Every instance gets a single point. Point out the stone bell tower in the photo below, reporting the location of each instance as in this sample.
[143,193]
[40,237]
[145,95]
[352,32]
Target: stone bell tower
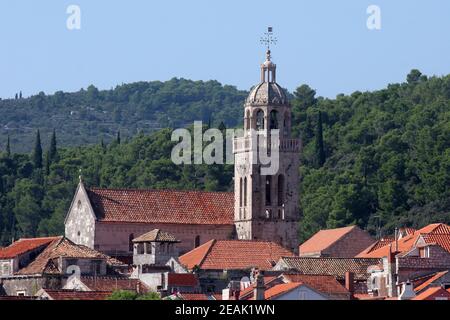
[266,205]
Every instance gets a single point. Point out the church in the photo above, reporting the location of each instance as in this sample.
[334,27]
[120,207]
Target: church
[262,207]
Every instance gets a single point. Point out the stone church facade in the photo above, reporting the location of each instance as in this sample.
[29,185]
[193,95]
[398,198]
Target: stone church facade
[263,207]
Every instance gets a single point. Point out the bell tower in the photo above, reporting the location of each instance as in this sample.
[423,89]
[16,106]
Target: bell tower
[266,204]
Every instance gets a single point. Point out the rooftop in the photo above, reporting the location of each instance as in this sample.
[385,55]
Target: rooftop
[77,295]
[323,239]
[234,254]
[162,206]
[24,245]
[156,235]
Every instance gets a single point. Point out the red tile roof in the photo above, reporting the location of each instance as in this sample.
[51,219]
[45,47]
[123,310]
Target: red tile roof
[323,239]
[336,267]
[378,244]
[77,295]
[113,283]
[156,235]
[182,280]
[280,289]
[269,281]
[425,284]
[234,254]
[24,245]
[162,206]
[406,243]
[433,293]
[443,240]
[193,296]
[62,247]
[322,283]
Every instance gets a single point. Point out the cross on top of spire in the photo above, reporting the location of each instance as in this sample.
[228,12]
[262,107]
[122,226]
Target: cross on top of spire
[268,38]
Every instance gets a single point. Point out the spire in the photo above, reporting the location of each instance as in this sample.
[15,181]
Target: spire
[268,68]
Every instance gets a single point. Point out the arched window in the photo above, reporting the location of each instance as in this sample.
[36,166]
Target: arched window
[260,120]
[280,187]
[247,125]
[245,191]
[286,124]
[268,190]
[130,242]
[240,193]
[273,119]
[197,241]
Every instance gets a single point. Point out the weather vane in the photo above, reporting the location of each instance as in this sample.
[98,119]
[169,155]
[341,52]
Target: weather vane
[268,38]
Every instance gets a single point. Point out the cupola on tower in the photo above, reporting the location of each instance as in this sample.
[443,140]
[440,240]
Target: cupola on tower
[266,205]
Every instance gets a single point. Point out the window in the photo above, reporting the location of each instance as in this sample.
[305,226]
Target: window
[197,241]
[273,119]
[280,190]
[79,205]
[260,120]
[245,191]
[21,293]
[247,125]
[240,192]
[130,242]
[268,190]
[286,124]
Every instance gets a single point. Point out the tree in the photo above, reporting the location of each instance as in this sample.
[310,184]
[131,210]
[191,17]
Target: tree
[37,154]
[20,95]
[118,137]
[52,150]
[413,76]
[8,147]
[320,152]
[130,295]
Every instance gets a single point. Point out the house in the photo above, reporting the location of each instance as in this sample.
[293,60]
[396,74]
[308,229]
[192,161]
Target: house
[438,279]
[344,242]
[50,294]
[183,283]
[104,283]
[217,262]
[326,286]
[412,256]
[433,293]
[337,267]
[48,264]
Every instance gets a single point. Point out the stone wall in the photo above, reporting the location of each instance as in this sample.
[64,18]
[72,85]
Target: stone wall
[114,238]
[349,245]
[29,286]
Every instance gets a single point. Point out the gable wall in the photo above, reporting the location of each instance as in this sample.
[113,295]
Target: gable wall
[349,245]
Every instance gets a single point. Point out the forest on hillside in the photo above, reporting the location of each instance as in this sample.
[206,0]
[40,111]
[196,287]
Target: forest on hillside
[90,115]
[376,159]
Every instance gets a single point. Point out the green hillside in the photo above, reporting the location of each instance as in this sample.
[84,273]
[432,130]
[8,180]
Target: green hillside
[378,159]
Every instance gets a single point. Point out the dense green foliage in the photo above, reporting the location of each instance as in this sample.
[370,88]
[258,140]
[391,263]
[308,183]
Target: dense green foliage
[130,295]
[377,159]
[87,116]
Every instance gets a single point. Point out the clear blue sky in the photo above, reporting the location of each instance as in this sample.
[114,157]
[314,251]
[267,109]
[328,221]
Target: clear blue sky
[325,44]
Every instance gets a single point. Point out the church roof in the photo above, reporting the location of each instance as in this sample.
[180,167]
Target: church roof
[162,206]
[156,235]
[267,93]
[234,255]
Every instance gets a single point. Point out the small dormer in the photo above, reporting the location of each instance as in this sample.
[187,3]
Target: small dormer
[154,248]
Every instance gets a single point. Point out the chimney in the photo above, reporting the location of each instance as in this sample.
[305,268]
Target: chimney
[407,292]
[259,288]
[396,239]
[350,283]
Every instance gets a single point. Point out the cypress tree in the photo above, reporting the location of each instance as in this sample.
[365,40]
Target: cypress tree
[8,147]
[37,155]
[320,152]
[118,137]
[52,151]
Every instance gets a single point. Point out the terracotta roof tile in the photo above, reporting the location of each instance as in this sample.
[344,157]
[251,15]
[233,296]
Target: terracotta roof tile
[162,206]
[182,280]
[77,295]
[280,289]
[323,239]
[112,283]
[24,245]
[156,235]
[234,254]
[331,266]
[425,284]
[443,240]
[406,243]
[433,293]
[322,283]
[194,296]
[62,247]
